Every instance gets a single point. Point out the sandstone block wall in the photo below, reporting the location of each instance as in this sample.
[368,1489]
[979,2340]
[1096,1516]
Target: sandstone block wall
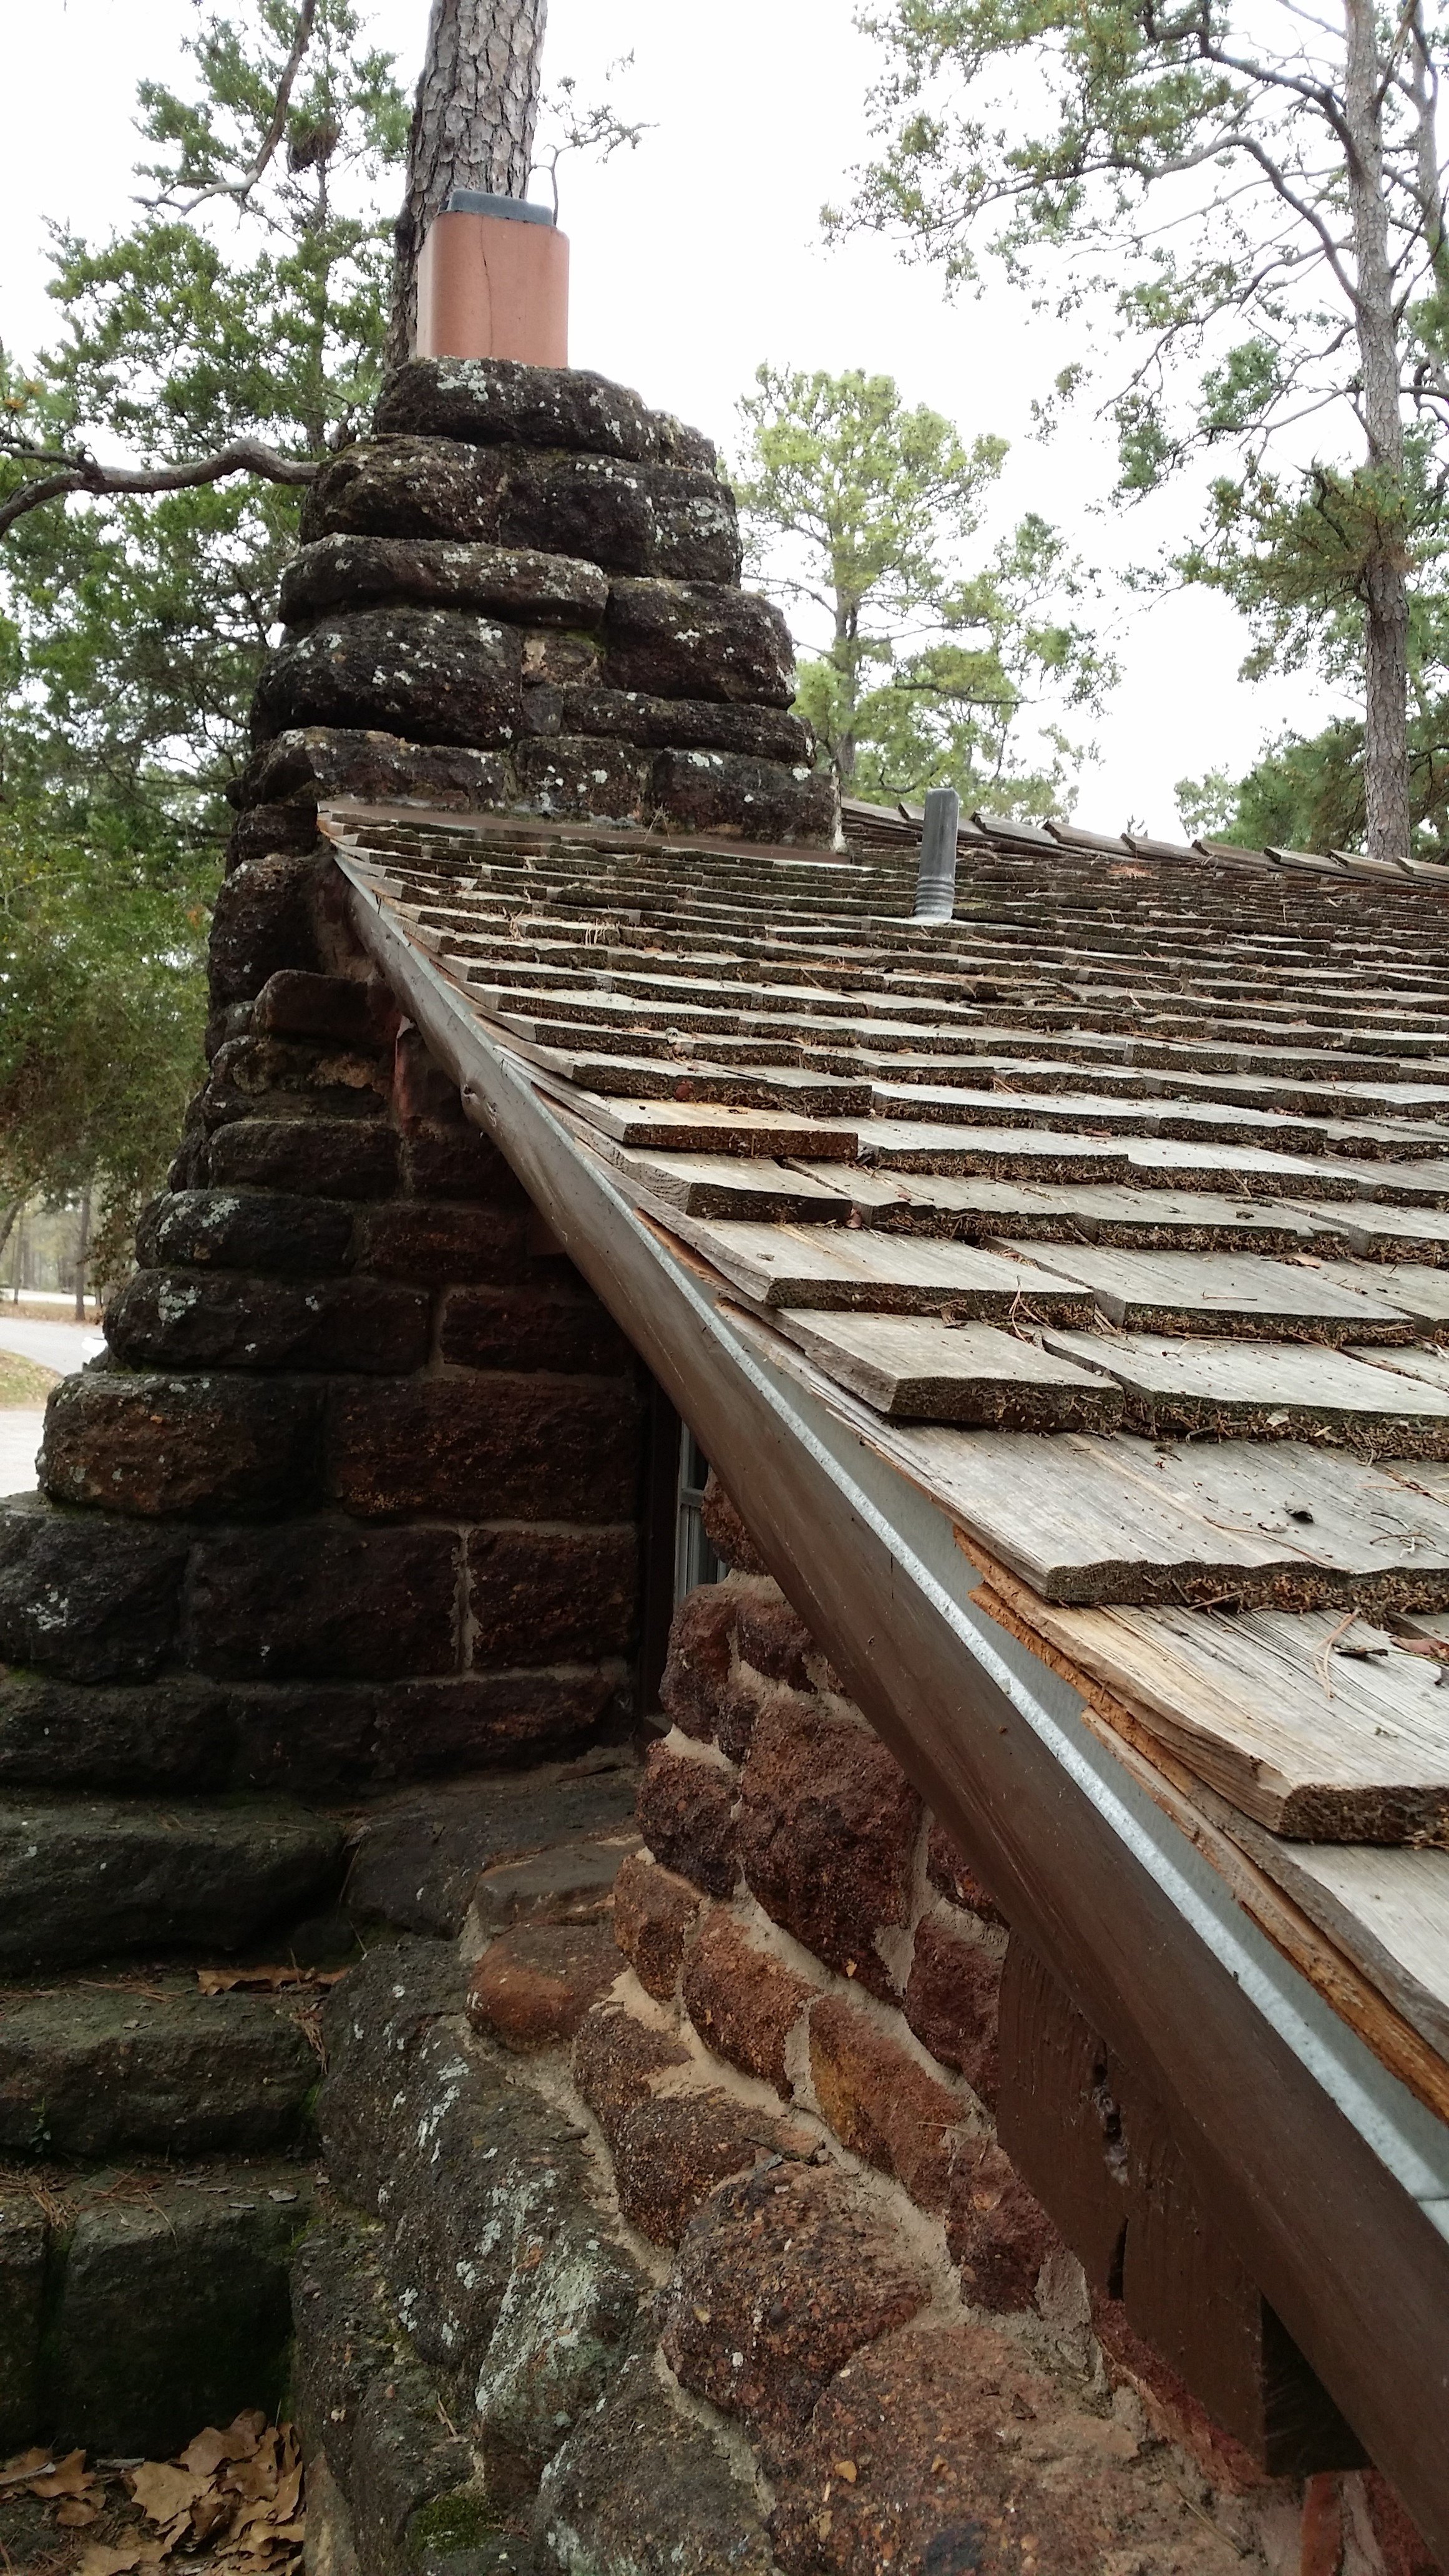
[524,592]
[352,1498]
[816,1930]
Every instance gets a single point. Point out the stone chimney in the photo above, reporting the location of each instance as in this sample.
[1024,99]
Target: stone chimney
[524,592]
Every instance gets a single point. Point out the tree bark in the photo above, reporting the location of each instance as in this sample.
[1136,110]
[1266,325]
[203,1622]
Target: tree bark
[473,127]
[1386,597]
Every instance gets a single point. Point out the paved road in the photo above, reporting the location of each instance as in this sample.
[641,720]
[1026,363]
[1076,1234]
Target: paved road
[20,1428]
[57,1346]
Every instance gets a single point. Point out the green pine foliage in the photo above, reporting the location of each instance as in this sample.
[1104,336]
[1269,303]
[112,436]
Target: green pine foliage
[248,299]
[950,661]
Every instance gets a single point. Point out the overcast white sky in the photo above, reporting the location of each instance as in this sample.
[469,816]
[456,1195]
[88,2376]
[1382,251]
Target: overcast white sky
[693,259]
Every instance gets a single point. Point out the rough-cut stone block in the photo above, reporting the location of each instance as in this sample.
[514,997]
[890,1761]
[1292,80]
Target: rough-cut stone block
[672,2152]
[616,2058]
[405,487]
[563,1330]
[435,674]
[458,1163]
[653,1912]
[160,1736]
[501,1721]
[322,1600]
[664,724]
[342,1008]
[94,1604]
[948,2453]
[172,1448]
[483,1448]
[575,776]
[174,2310]
[330,1739]
[953,2001]
[245,1230]
[880,2103]
[686,1815]
[22,2300]
[952,1875]
[272,832]
[638,2487]
[772,1640]
[82,1878]
[727,1533]
[628,517]
[552,1596]
[500,581]
[325,1158]
[103,2072]
[827,1834]
[417,1859]
[532,1988]
[569,1883]
[737,2329]
[664,520]
[743,2003]
[738,1706]
[293,1075]
[753,800]
[438,1244]
[173,1319]
[698,1665]
[694,639]
[309,763]
[998,2234]
[263,922]
[498,402]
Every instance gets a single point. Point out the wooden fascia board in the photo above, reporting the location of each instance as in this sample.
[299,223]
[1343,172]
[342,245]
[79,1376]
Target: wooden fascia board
[1331,2181]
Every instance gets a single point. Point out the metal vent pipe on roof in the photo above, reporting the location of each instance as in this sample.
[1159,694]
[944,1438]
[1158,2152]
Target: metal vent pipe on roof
[936,867]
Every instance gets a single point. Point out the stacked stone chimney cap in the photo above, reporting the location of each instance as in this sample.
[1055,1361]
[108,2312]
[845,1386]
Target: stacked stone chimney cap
[530,576]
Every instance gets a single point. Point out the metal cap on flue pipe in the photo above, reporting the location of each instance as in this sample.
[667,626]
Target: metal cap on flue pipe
[936,867]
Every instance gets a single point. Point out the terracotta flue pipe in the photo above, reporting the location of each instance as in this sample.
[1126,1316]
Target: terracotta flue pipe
[493,282]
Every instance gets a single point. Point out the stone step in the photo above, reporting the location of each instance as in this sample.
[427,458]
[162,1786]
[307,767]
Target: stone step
[92,1878]
[416,1858]
[138,2303]
[149,2064]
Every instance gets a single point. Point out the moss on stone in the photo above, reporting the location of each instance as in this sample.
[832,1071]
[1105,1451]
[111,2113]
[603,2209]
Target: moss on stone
[458,2521]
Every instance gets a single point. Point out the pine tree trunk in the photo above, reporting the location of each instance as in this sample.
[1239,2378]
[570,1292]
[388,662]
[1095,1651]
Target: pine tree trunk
[1386,625]
[473,127]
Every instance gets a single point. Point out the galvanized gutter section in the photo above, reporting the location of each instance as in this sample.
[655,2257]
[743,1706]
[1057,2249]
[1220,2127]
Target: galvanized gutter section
[1330,2179]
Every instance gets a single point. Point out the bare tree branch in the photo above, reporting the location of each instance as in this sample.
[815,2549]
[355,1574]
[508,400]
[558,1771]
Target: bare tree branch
[241,189]
[84,474]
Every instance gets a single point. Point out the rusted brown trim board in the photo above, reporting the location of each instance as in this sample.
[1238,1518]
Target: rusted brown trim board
[1333,2182]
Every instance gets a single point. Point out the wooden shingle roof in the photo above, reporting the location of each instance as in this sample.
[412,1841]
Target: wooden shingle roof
[1113,1216]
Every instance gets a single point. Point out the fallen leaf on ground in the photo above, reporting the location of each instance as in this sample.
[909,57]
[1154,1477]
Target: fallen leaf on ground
[205,2452]
[77,2512]
[164,2492]
[19,2471]
[69,2477]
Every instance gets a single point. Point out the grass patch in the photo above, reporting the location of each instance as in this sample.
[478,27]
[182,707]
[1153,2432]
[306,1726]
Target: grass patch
[24,1381]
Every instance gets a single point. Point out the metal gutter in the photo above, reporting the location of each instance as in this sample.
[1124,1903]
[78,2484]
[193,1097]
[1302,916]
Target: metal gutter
[1330,2179]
